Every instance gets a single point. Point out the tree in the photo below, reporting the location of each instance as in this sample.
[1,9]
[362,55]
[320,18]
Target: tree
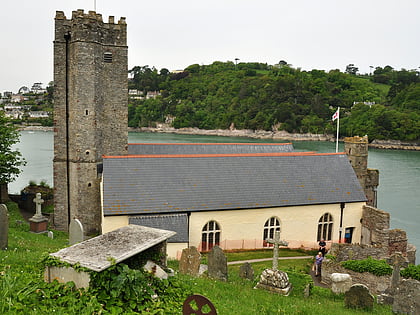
[351,69]
[10,159]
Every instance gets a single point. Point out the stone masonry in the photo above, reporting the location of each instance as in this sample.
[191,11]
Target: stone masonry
[90,111]
[356,149]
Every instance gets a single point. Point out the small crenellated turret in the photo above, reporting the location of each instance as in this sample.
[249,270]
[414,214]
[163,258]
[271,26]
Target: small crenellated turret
[356,149]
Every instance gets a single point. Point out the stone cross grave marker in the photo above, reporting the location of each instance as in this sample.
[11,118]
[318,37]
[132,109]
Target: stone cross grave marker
[190,261]
[217,263]
[397,261]
[4,227]
[277,243]
[76,232]
[38,223]
[38,204]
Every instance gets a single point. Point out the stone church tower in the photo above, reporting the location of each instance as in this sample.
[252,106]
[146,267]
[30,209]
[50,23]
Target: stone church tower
[90,112]
[356,149]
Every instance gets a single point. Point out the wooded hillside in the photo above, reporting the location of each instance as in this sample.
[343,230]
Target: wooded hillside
[383,105]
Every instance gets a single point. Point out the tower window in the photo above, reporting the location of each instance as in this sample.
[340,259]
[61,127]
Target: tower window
[108,57]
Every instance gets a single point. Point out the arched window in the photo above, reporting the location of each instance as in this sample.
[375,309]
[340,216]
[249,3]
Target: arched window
[325,225]
[210,235]
[270,226]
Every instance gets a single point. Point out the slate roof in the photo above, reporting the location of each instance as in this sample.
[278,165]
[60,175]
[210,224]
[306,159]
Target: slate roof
[172,222]
[207,148]
[157,184]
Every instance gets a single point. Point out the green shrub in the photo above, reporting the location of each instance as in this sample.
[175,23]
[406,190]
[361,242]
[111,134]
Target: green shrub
[121,289]
[376,267]
[411,271]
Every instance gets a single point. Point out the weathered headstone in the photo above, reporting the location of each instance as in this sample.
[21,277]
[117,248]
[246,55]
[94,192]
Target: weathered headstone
[76,232]
[217,263]
[277,243]
[340,282]
[407,297]
[38,223]
[246,271]
[397,261]
[4,227]
[190,261]
[359,297]
[51,234]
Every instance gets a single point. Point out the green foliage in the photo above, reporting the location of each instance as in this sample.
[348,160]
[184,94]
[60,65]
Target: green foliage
[10,159]
[412,271]
[376,267]
[259,96]
[122,289]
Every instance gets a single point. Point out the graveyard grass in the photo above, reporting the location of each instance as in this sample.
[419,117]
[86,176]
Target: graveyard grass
[22,290]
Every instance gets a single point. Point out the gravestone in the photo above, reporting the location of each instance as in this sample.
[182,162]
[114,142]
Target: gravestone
[340,282]
[359,297]
[76,232]
[190,261]
[217,264]
[397,261]
[277,243]
[246,271]
[275,280]
[407,297]
[38,223]
[4,227]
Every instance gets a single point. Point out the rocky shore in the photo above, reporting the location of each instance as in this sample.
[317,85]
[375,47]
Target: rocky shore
[277,135]
[257,134]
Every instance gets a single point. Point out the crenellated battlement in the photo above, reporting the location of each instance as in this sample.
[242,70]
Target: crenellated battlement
[91,15]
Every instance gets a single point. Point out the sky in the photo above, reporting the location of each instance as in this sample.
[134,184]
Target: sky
[308,34]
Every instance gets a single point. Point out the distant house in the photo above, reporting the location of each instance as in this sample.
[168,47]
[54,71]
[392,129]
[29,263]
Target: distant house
[14,114]
[38,114]
[16,98]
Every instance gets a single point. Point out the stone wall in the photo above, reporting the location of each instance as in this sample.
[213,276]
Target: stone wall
[344,252]
[375,226]
[375,284]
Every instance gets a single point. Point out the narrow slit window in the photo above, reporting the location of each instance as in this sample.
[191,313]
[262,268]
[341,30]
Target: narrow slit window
[108,57]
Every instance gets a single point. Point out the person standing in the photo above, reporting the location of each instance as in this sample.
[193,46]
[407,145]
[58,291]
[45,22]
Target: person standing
[322,247]
[318,264]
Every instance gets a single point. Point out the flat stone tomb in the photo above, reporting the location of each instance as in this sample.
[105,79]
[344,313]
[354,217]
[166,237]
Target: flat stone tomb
[98,253]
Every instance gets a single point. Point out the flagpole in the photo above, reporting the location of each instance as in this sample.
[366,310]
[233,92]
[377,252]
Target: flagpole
[338,128]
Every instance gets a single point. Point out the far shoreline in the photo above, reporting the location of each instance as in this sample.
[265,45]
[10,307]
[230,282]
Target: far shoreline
[257,134]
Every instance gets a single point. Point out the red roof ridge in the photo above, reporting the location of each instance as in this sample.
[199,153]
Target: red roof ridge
[310,153]
[213,143]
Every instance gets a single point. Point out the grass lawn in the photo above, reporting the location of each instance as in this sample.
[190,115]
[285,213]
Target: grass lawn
[22,290]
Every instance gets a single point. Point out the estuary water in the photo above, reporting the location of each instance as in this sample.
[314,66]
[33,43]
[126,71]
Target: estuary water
[399,179]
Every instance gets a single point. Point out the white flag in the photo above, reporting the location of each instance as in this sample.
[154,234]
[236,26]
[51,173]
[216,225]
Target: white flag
[336,115]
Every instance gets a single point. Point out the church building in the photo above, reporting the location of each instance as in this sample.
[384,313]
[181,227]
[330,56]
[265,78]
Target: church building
[232,195]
